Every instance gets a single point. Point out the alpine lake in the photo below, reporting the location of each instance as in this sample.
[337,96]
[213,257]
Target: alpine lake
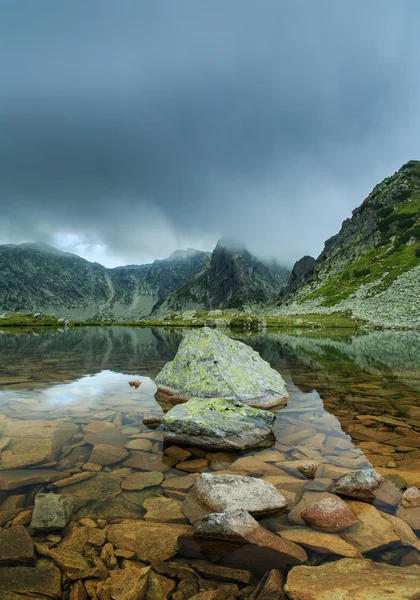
[67,411]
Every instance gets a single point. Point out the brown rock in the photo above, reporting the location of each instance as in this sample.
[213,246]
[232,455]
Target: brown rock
[43,581]
[371,531]
[270,587]
[376,448]
[353,578]
[16,547]
[411,498]
[360,485]
[146,461]
[12,480]
[181,484]
[139,444]
[101,487]
[307,500]
[163,510]
[70,480]
[90,466]
[139,481]
[410,516]
[78,592]
[239,526]
[330,515]
[402,530]
[178,453]
[197,465]
[152,421]
[221,573]
[69,561]
[324,543]
[150,541]
[159,587]
[98,427]
[105,454]
[127,584]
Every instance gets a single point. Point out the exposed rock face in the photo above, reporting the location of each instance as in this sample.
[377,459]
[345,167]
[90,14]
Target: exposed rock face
[353,578]
[218,493]
[302,269]
[75,288]
[209,364]
[234,278]
[371,267]
[51,512]
[216,423]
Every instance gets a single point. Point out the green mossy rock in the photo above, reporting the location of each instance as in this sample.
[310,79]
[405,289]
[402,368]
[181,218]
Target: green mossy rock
[217,423]
[209,364]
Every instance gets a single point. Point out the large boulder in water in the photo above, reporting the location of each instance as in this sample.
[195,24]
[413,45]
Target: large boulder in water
[209,364]
[216,423]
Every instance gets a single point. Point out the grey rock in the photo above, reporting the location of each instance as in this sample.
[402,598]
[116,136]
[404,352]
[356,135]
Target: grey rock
[218,493]
[209,364]
[216,423]
[360,485]
[51,512]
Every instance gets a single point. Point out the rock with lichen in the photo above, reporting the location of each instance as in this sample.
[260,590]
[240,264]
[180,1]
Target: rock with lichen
[209,364]
[217,423]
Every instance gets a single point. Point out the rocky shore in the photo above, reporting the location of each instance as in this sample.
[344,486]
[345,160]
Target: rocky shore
[100,503]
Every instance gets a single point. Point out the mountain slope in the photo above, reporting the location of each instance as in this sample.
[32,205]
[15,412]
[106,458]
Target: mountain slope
[373,264]
[234,279]
[39,278]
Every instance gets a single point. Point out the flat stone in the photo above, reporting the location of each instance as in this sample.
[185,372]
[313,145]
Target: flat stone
[209,364]
[16,547]
[360,485]
[139,481]
[182,484]
[376,448]
[179,453]
[239,526]
[218,493]
[146,461]
[221,573]
[105,454]
[330,515]
[411,498]
[69,561]
[402,530]
[70,480]
[12,480]
[163,510]
[98,427]
[324,543]
[286,483]
[51,512]
[103,486]
[196,465]
[139,444]
[130,430]
[42,581]
[150,541]
[216,423]
[92,467]
[410,516]
[353,578]
[371,530]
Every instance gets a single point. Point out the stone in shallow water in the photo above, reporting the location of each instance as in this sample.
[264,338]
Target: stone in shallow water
[102,486]
[218,493]
[163,510]
[209,364]
[217,423]
[239,526]
[11,480]
[51,512]
[410,516]
[270,587]
[330,515]
[324,543]
[42,582]
[360,485]
[16,547]
[307,500]
[353,578]
[139,481]
[106,454]
[411,498]
[150,541]
[371,530]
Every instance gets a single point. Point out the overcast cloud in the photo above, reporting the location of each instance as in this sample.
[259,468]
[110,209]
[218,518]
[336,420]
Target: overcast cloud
[129,129]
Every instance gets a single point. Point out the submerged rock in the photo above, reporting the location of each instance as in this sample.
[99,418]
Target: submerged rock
[16,547]
[218,493]
[353,578]
[209,364]
[330,515]
[51,512]
[217,423]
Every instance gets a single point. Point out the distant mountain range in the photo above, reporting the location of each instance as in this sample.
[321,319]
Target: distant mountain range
[39,278]
[370,269]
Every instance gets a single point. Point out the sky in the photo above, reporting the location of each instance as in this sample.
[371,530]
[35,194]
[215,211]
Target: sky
[130,129]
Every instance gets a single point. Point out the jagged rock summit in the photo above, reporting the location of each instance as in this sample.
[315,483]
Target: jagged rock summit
[209,364]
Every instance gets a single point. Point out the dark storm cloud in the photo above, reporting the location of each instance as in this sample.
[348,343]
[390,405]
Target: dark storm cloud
[130,128]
